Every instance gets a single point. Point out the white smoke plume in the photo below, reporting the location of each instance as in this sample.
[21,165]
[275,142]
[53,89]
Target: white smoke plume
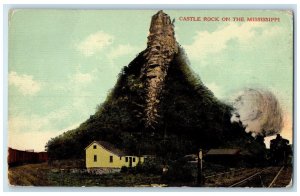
[258,111]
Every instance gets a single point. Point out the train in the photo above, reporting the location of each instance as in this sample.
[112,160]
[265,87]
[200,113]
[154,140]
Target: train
[20,157]
[280,151]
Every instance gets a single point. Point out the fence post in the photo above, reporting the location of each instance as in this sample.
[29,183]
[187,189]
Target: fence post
[200,166]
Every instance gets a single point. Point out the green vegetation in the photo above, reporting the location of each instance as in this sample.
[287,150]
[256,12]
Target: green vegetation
[44,175]
[116,179]
[180,171]
[190,117]
[150,167]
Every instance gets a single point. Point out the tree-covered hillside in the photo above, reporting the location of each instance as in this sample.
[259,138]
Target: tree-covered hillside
[158,106]
[191,117]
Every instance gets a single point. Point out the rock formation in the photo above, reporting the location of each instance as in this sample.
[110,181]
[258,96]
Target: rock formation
[161,48]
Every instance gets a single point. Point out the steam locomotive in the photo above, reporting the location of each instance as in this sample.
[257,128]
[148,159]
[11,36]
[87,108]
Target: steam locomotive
[280,151]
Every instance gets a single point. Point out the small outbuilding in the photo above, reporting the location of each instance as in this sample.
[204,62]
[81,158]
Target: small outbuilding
[229,157]
[102,154]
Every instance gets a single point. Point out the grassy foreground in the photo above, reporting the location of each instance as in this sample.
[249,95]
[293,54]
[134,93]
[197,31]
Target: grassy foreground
[44,175]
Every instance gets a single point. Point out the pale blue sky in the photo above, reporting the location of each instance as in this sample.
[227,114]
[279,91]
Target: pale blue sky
[62,63]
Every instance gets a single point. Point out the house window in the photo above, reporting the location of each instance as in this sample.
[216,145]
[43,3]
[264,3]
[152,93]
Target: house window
[126,159]
[95,158]
[95,146]
[111,159]
[133,159]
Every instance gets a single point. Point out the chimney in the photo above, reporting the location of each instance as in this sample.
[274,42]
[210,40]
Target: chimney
[161,48]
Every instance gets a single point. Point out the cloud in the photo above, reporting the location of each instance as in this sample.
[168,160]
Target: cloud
[31,131]
[94,43]
[82,78]
[23,127]
[207,43]
[32,122]
[267,140]
[287,130]
[121,50]
[24,83]
[24,140]
[259,111]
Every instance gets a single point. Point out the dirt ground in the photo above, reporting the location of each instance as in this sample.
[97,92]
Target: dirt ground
[44,175]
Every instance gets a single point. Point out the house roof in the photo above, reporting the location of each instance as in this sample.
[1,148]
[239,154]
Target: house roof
[225,151]
[108,146]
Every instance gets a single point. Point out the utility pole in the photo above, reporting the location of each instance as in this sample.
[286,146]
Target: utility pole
[199,176]
[165,134]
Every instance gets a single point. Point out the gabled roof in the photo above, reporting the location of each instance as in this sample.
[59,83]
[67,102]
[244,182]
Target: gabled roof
[225,151]
[108,146]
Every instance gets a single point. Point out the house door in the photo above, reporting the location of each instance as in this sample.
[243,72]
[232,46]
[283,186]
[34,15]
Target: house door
[130,161]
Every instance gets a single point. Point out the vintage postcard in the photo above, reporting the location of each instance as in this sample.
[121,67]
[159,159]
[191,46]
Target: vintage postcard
[150,98]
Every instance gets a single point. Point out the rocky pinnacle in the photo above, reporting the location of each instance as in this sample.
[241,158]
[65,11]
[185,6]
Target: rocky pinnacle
[161,48]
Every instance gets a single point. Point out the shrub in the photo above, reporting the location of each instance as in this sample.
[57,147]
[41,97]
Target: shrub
[178,171]
[150,166]
[124,169]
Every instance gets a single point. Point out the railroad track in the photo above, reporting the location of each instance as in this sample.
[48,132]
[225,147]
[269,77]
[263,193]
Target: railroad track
[224,179]
[262,178]
[283,178]
[223,173]
[275,178]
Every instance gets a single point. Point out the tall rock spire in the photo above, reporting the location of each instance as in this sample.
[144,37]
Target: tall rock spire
[161,48]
